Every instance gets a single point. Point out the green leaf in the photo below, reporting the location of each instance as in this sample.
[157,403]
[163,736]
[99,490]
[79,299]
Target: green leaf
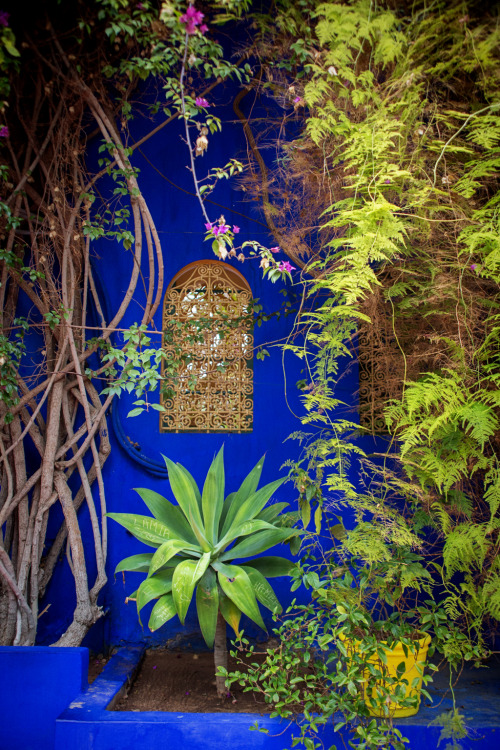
[271,567]
[257,543]
[163,611]
[243,529]
[153,588]
[135,412]
[168,550]
[207,605]
[186,575]
[169,514]
[230,612]
[247,488]
[146,529]
[236,584]
[263,591]
[305,511]
[212,499]
[270,513]
[318,515]
[295,545]
[253,505]
[135,563]
[225,509]
[186,497]
[190,477]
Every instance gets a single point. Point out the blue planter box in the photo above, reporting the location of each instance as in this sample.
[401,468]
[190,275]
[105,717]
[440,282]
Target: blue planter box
[88,724]
[37,683]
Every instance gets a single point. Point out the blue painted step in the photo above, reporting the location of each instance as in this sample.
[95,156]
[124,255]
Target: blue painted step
[88,725]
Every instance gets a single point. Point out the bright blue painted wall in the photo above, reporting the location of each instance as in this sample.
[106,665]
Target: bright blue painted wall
[37,684]
[277,406]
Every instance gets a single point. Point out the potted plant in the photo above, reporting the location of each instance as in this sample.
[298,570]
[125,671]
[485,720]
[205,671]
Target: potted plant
[356,651]
[197,543]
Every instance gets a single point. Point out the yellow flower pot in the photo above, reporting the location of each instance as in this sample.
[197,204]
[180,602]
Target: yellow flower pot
[412,675]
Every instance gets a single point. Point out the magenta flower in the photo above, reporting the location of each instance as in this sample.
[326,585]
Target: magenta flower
[235,229]
[222,229]
[286,266]
[274,250]
[473,267]
[192,18]
[209,226]
[201,102]
[203,28]
[4,132]
[4,18]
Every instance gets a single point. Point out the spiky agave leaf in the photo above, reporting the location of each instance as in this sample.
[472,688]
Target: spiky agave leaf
[186,575]
[196,556]
[271,567]
[212,499]
[263,590]
[257,543]
[135,563]
[152,588]
[234,501]
[146,529]
[207,605]
[185,495]
[162,612]
[236,584]
[230,612]
[169,549]
[170,515]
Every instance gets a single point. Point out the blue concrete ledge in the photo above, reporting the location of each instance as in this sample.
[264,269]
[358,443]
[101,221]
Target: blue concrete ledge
[36,684]
[88,724]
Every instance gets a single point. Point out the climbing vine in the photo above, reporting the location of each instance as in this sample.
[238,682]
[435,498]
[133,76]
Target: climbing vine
[390,195]
[69,184]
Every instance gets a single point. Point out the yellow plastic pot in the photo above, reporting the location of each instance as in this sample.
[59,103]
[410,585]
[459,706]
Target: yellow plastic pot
[413,673]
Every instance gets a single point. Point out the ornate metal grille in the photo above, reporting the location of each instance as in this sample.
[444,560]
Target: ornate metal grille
[208,340]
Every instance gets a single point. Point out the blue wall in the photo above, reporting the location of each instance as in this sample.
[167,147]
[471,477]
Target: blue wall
[37,684]
[277,406]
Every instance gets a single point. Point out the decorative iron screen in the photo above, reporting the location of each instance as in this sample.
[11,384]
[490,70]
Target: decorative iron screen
[208,341]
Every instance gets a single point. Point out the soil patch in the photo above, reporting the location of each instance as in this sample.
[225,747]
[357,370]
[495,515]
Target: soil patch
[96,665]
[180,681]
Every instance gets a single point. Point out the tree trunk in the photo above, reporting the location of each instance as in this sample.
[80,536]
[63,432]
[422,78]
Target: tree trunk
[220,654]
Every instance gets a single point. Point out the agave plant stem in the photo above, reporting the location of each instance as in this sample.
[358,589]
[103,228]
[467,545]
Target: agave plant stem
[220,654]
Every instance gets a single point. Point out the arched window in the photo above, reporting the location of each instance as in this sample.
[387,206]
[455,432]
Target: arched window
[208,341]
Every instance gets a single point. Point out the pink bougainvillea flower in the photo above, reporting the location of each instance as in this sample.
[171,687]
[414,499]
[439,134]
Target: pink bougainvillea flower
[203,28]
[201,102]
[473,267]
[192,18]
[286,266]
[4,18]
[191,13]
[297,100]
[4,132]
[222,229]
[235,229]
[275,250]
[209,226]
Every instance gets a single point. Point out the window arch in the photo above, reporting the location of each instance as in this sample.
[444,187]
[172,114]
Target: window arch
[208,342]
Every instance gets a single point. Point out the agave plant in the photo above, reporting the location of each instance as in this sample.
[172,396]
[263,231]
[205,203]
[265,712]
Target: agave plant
[197,542]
